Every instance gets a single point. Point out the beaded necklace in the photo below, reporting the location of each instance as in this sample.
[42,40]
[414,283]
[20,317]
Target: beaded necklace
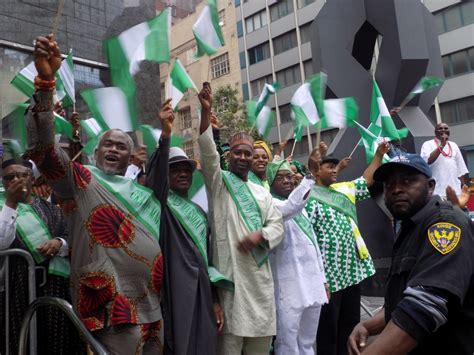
[449,154]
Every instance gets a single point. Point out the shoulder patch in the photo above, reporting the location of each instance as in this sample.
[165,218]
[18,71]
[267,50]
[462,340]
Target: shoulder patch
[444,237]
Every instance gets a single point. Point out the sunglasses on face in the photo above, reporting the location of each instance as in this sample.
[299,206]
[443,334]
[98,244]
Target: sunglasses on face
[11,177]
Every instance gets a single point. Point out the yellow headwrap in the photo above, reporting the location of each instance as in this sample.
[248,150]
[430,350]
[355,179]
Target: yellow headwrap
[265,147]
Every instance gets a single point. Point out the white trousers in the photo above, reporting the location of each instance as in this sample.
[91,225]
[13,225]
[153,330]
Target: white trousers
[296,330]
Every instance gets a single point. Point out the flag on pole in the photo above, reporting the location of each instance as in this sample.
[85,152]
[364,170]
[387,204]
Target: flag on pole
[268,90]
[24,81]
[340,113]
[93,131]
[371,142]
[63,126]
[16,145]
[148,40]
[65,82]
[179,82]
[207,31]
[426,83]
[382,124]
[151,138]
[111,108]
[262,120]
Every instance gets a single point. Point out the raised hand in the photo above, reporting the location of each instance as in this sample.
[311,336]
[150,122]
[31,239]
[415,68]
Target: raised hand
[343,164]
[47,57]
[282,146]
[166,118]
[205,96]
[323,148]
[139,156]
[16,193]
[214,121]
[382,149]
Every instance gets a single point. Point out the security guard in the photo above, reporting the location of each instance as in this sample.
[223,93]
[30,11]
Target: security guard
[429,301]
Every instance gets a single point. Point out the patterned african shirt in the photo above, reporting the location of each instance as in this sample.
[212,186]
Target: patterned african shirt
[335,233]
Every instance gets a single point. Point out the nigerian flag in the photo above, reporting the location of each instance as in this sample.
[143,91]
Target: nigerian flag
[207,31]
[371,142]
[426,83]
[111,108]
[259,115]
[340,113]
[151,137]
[382,124]
[307,103]
[197,191]
[93,131]
[148,40]
[63,126]
[179,82]
[24,81]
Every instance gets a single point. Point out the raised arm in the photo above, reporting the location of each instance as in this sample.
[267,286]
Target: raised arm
[53,163]
[382,149]
[295,203]
[157,176]
[205,98]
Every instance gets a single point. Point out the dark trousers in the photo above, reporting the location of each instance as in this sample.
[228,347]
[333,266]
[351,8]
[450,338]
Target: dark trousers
[337,320]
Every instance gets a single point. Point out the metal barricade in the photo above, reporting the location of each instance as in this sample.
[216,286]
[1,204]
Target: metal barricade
[66,308]
[5,254]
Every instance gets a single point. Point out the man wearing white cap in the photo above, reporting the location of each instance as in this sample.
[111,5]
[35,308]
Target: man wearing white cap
[191,313]
[245,226]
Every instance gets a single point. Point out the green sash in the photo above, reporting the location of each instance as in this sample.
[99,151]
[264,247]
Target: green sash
[254,178]
[335,199]
[137,199]
[33,232]
[195,223]
[305,225]
[248,209]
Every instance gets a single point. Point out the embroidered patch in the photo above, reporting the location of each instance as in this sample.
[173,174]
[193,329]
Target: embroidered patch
[444,236]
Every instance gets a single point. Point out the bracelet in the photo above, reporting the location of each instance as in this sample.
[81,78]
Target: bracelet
[47,85]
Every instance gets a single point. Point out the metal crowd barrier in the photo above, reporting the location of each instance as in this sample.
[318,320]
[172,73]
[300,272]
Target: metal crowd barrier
[5,254]
[66,307]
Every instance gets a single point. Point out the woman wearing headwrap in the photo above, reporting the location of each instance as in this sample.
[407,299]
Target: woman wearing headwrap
[261,156]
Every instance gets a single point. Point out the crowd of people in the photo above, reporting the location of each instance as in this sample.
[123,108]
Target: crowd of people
[274,265]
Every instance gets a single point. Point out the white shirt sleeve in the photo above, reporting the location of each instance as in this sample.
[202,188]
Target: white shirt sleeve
[461,165]
[295,203]
[426,150]
[7,227]
[64,250]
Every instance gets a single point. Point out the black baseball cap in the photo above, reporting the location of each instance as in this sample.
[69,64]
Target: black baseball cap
[329,159]
[412,161]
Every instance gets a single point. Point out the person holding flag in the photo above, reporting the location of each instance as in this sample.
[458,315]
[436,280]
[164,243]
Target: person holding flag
[331,208]
[245,225]
[114,223]
[297,266]
[191,312]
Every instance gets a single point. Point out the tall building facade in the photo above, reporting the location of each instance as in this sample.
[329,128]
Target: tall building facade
[220,69]
[179,8]
[274,43]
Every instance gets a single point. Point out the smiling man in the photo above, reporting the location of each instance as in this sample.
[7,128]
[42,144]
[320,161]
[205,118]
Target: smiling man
[332,211]
[445,160]
[116,263]
[429,299]
[191,312]
[245,226]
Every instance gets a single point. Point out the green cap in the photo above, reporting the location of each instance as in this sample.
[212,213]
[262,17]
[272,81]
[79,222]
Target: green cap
[274,167]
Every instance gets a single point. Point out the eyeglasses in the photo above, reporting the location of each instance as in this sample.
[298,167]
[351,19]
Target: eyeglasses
[10,177]
[284,177]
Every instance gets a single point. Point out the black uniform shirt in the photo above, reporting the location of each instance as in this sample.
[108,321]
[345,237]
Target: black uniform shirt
[435,249]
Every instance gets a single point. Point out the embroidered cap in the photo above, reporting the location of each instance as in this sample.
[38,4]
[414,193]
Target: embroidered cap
[412,161]
[241,138]
[178,155]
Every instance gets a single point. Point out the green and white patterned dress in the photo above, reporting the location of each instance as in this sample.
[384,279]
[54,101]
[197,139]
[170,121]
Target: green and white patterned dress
[335,233]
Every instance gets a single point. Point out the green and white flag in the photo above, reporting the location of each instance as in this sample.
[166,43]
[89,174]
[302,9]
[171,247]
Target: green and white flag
[93,131]
[207,32]
[178,83]
[151,138]
[268,90]
[65,82]
[148,40]
[340,113]
[197,191]
[261,120]
[24,81]
[382,124]
[426,83]
[371,142]
[63,126]
[111,108]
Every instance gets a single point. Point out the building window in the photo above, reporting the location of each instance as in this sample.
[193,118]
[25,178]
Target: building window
[222,17]
[189,149]
[257,85]
[285,113]
[303,3]
[256,21]
[284,42]
[220,66]
[240,30]
[458,15]
[305,33]
[259,53]
[459,62]
[458,111]
[281,9]
[289,76]
[185,118]
[308,68]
